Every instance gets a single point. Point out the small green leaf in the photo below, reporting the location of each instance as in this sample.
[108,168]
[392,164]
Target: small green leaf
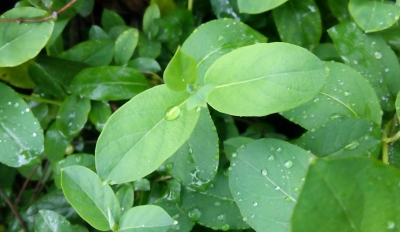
[339,9]
[144,64]
[125,196]
[148,48]
[343,136]
[242,75]
[97,33]
[92,52]
[299,22]
[21,138]
[232,144]
[145,218]
[374,16]
[143,133]
[181,71]
[184,222]
[100,112]
[50,221]
[199,98]
[23,41]
[72,115]
[258,6]
[149,27]
[268,174]
[125,46]
[55,143]
[110,19]
[347,193]
[94,202]
[109,83]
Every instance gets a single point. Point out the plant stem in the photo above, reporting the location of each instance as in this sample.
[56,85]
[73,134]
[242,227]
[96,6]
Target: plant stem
[386,141]
[44,100]
[190,5]
[14,211]
[26,184]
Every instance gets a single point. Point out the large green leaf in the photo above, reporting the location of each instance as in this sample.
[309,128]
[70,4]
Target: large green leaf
[109,83]
[143,133]
[258,6]
[125,45]
[214,208]
[370,55]
[195,163]
[146,218]
[265,179]
[374,16]
[94,202]
[50,221]
[216,38]
[343,136]
[348,194]
[20,42]
[21,138]
[256,80]
[346,92]
[299,22]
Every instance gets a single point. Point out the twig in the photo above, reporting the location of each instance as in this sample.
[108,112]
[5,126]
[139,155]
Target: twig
[14,211]
[38,186]
[53,15]
[25,184]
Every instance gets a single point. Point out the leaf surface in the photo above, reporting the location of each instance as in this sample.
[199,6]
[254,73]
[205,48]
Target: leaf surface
[125,46]
[145,218]
[258,6]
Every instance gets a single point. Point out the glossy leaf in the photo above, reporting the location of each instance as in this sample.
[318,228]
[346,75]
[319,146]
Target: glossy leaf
[130,149]
[242,75]
[299,22]
[145,218]
[195,163]
[144,64]
[92,52]
[166,6]
[94,202]
[97,33]
[352,190]
[216,38]
[258,6]
[55,143]
[339,9]
[49,221]
[21,138]
[100,112]
[326,52]
[346,93]
[149,27]
[110,19]
[343,136]
[374,16]
[369,55]
[23,41]
[265,179]
[72,115]
[17,76]
[181,71]
[184,222]
[214,208]
[232,144]
[109,83]
[227,9]
[199,97]
[148,48]
[125,46]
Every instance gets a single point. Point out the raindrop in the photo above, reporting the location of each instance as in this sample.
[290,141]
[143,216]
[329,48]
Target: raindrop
[378,55]
[346,94]
[213,128]
[220,38]
[9,103]
[279,149]
[16,104]
[255,204]
[288,164]
[387,69]
[217,203]
[277,187]
[316,100]
[264,172]
[335,116]
[194,214]
[234,155]
[225,227]
[287,198]
[352,146]
[391,225]
[34,134]
[27,110]
[296,190]
[271,158]
[221,217]
[355,61]
[244,219]
[303,179]
[175,222]
[172,113]
[198,109]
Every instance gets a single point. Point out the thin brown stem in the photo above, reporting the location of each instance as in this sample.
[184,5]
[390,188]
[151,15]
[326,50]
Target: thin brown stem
[14,211]
[40,182]
[25,184]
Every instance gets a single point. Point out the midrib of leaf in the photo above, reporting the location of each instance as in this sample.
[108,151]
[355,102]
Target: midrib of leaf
[344,104]
[14,137]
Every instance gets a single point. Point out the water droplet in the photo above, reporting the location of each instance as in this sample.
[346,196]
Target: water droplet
[221,217]
[27,110]
[190,88]
[378,55]
[213,128]
[346,94]
[264,172]
[217,203]
[316,100]
[220,38]
[34,134]
[387,69]
[296,190]
[172,113]
[391,225]
[16,104]
[352,146]
[225,227]
[335,116]
[169,166]
[288,164]
[255,204]
[303,179]
[355,61]
[277,187]
[279,149]
[198,109]
[175,222]
[194,214]
[244,219]
[234,155]
[271,158]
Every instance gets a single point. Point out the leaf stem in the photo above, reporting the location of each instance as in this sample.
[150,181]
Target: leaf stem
[190,5]
[39,99]
[14,211]
[385,141]
[25,184]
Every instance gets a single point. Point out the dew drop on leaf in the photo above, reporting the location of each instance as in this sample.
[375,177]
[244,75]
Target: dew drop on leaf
[391,225]
[288,164]
[351,146]
[194,214]
[277,187]
[225,227]
[264,172]
[255,204]
[172,113]
[271,158]
[244,219]
[234,155]
[378,55]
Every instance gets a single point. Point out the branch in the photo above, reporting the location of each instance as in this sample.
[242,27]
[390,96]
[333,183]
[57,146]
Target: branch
[14,211]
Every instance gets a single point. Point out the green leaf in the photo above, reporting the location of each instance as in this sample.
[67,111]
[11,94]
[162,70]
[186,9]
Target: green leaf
[347,136]
[141,185]
[149,27]
[145,218]
[148,48]
[50,221]
[21,138]
[100,112]
[195,163]
[109,83]
[232,144]
[265,179]
[242,75]
[85,160]
[125,46]
[227,9]
[216,38]
[17,76]
[125,196]
[199,97]
[143,133]
[97,33]
[258,6]
[339,9]
[94,202]
[299,22]
[346,92]
[92,52]
[347,193]
[55,143]
[181,71]
[326,52]
[23,41]
[144,64]
[370,55]
[184,222]
[214,208]
[110,19]
[72,115]
[374,16]
[397,103]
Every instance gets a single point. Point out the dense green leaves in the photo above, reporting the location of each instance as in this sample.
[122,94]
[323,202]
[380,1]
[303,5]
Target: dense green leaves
[23,41]
[243,74]
[348,193]
[110,19]
[49,221]
[21,138]
[130,149]
[265,179]
[94,202]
